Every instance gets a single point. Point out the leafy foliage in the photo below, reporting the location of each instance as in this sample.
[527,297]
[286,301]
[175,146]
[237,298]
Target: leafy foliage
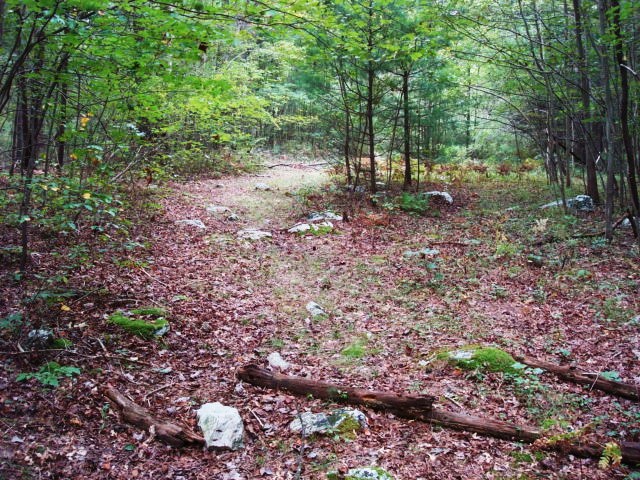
[50,374]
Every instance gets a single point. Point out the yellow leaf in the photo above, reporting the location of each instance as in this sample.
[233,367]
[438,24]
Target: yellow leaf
[86,195]
[55,189]
[65,308]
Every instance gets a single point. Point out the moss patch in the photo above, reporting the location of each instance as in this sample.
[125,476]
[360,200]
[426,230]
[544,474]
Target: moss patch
[154,325]
[61,343]
[480,358]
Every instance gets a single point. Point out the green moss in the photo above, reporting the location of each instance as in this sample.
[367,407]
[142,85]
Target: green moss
[356,350]
[62,343]
[150,311]
[138,326]
[480,358]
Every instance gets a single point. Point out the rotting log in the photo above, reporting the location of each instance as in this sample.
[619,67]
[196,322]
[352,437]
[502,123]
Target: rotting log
[594,380]
[401,406]
[167,432]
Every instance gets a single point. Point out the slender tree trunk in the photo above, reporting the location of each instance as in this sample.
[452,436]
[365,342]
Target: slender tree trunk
[585,147]
[624,111]
[407,130]
[608,150]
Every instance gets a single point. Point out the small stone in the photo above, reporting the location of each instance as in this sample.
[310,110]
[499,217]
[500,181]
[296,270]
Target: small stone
[193,223]
[314,309]
[219,185]
[263,187]
[221,426]
[425,252]
[215,209]
[233,217]
[276,361]
[300,228]
[443,195]
[368,473]
[347,419]
[253,234]
[39,339]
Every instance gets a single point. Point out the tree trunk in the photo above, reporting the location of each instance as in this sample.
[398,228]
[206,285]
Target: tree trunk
[420,408]
[401,405]
[134,414]
[407,130]
[625,390]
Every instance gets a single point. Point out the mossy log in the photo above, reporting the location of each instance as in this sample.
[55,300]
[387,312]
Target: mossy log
[404,406]
[167,432]
[571,374]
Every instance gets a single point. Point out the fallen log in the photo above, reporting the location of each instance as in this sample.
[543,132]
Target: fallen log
[571,374]
[401,405]
[167,432]
[426,412]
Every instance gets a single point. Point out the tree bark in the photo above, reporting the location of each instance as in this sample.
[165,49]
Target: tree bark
[134,414]
[407,130]
[620,389]
[420,408]
[402,405]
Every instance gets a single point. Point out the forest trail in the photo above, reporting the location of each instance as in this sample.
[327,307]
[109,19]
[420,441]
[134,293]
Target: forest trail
[389,311]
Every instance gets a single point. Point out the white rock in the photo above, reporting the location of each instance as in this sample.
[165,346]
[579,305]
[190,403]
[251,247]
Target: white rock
[444,195]
[300,228]
[221,426]
[193,223]
[314,309]
[327,215]
[263,187]
[308,423]
[253,234]
[276,361]
[214,209]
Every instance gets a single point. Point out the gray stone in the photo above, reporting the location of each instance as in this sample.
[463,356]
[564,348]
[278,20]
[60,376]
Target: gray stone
[215,209]
[368,473]
[300,228]
[308,423]
[581,203]
[425,252]
[221,426]
[276,361]
[38,339]
[320,217]
[253,234]
[193,223]
[263,187]
[444,195]
[233,217]
[314,309]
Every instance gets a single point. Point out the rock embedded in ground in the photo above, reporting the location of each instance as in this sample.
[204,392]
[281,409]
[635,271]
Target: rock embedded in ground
[194,222]
[39,339]
[276,361]
[263,187]
[320,217]
[581,203]
[362,473]
[443,195]
[233,217]
[221,426]
[215,209]
[300,228]
[342,421]
[423,253]
[314,309]
[253,234]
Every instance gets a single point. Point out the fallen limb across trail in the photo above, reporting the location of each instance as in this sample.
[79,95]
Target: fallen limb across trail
[167,432]
[571,374]
[401,405]
[421,408]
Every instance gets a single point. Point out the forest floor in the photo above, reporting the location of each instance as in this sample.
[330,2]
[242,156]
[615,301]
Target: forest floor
[503,276]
